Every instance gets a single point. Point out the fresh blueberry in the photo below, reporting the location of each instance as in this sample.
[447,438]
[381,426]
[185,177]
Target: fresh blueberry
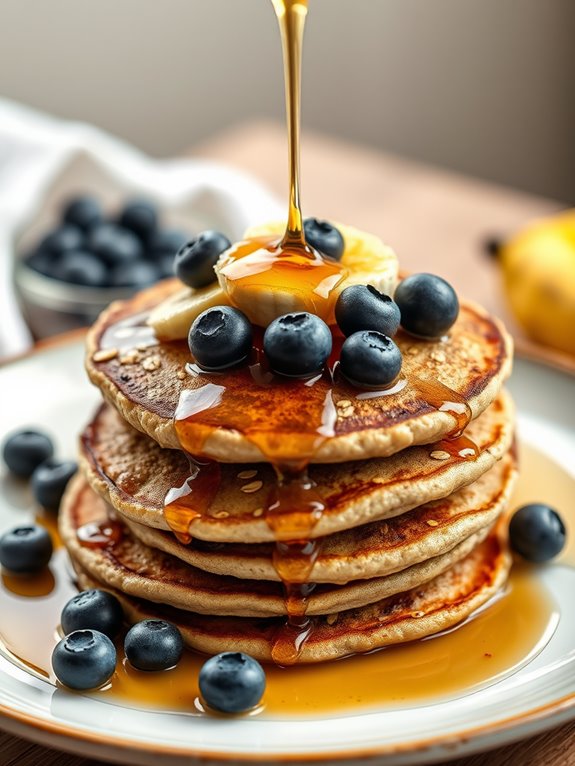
[139,274]
[195,261]
[23,451]
[369,359]
[166,241]
[84,212]
[80,267]
[362,307]
[537,532]
[49,481]
[220,337]
[297,345]
[166,265]
[232,682]
[63,239]
[93,609]
[428,305]
[26,549]
[114,244]
[84,660]
[141,217]
[323,236]
[153,645]
[42,261]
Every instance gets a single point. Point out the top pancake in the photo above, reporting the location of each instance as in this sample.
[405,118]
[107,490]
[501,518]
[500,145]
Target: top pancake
[145,378]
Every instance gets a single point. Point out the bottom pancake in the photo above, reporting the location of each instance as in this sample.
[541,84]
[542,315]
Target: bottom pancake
[125,563]
[437,606]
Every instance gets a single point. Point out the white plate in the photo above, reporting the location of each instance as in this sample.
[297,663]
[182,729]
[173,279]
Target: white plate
[49,389]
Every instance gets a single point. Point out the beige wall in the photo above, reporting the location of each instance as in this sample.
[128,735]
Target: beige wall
[484,86]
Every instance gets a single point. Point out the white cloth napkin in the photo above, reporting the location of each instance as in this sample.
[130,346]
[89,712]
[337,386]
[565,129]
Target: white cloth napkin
[37,149]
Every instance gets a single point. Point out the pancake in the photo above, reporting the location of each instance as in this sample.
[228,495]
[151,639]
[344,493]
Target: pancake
[437,606]
[138,570]
[133,474]
[145,379]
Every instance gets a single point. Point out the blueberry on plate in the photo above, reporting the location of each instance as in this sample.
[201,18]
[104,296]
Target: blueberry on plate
[115,244]
[363,307]
[84,211]
[232,682]
[153,645]
[195,261]
[297,345]
[49,481]
[139,274]
[63,239]
[141,217]
[537,532]
[95,610]
[84,660]
[23,451]
[80,267]
[323,236]
[25,549]
[428,305]
[369,359]
[220,337]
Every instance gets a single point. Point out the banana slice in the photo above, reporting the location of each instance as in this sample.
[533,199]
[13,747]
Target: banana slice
[365,258]
[367,261]
[173,318]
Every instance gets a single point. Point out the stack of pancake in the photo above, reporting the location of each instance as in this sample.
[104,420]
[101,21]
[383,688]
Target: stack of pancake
[411,540]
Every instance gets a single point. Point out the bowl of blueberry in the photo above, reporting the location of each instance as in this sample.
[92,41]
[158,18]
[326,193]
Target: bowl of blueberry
[90,257]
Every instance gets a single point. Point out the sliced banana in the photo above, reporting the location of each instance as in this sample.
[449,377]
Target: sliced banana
[172,319]
[367,260]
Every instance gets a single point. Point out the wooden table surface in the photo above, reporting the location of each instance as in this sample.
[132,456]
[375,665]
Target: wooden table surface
[436,221]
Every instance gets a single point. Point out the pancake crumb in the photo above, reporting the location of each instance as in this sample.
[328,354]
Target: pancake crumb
[417,614]
[344,403]
[130,357]
[432,523]
[331,619]
[152,363]
[253,486]
[181,375]
[258,512]
[247,474]
[105,355]
[439,454]
[221,514]
[438,356]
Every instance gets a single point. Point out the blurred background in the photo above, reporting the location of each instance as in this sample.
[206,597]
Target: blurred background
[480,86]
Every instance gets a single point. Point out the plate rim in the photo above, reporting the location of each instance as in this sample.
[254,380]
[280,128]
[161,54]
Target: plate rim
[24,723]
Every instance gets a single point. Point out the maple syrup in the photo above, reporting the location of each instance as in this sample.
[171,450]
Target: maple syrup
[493,643]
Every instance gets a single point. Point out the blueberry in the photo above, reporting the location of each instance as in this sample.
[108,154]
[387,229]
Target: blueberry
[153,645]
[369,359]
[26,549]
[139,274]
[537,532]
[196,259]
[297,345]
[93,609]
[42,261]
[323,236]
[166,265]
[84,660]
[63,239]
[114,244]
[166,241]
[141,217]
[84,212]
[23,451]
[80,267]
[49,481]
[232,682]
[220,337]
[362,307]
[428,305]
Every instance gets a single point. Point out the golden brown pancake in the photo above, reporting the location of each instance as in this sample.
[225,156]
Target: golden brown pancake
[144,382]
[138,570]
[134,474]
[439,605]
